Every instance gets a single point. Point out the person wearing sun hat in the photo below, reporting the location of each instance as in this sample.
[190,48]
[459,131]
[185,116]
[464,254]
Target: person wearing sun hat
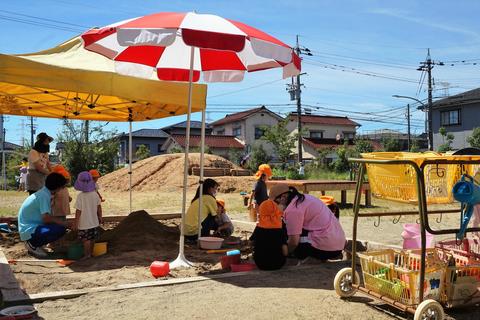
[61,199]
[96,175]
[88,213]
[269,239]
[225,225]
[259,192]
[312,229]
[38,163]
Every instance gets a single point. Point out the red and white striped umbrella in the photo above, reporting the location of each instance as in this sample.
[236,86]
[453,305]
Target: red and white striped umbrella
[158,46]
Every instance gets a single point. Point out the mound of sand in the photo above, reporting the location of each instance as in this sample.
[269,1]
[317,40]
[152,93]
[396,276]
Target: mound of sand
[139,231]
[165,173]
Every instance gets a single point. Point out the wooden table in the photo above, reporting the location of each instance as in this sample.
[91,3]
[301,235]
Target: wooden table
[307,186]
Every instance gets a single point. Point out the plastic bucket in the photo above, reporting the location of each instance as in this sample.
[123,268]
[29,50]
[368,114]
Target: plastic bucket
[99,248]
[75,251]
[412,238]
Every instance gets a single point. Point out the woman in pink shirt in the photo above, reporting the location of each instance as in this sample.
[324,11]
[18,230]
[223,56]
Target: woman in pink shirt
[313,230]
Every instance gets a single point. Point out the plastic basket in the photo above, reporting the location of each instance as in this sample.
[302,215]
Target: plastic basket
[398,182]
[469,248]
[396,274]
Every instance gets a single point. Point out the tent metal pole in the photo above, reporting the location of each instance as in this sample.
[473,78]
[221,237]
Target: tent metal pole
[130,163]
[181,261]
[202,154]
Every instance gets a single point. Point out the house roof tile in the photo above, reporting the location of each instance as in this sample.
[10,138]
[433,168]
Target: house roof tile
[229,118]
[148,133]
[467,97]
[213,141]
[326,120]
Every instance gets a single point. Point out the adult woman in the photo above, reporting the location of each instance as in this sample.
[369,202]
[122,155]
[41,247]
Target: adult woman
[259,192]
[313,230]
[209,211]
[38,163]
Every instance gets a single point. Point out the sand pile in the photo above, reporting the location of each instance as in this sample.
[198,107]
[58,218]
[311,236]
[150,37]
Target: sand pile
[139,231]
[165,173]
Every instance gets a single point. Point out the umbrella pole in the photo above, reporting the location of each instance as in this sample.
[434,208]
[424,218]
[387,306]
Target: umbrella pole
[181,261]
[202,154]
[130,163]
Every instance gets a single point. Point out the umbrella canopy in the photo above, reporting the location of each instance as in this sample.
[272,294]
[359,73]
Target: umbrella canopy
[69,82]
[158,45]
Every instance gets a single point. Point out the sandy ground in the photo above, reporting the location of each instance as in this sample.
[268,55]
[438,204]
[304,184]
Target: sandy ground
[285,294]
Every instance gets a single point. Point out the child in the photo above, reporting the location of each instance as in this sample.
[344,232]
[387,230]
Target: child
[259,192]
[61,200]
[88,214]
[95,175]
[269,238]
[225,226]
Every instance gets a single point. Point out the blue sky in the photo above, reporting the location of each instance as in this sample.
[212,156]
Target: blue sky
[386,39]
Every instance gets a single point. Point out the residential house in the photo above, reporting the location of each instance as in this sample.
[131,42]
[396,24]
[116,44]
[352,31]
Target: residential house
[181,128]
[247,126]
[322,132]
[459,115]
[378,136]
[153,139]
[218,145]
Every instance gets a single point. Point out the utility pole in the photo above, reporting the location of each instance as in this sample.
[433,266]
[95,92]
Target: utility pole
[32,132]
[299,111]
[86,131]
[409,144]
[295,92]
[427,66]
[2,149]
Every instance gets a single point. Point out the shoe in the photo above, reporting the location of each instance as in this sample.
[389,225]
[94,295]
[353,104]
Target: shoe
[37,252]
[301,262]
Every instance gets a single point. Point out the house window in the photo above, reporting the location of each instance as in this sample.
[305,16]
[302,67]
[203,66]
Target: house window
[316,134]
[450,118]
[259,133]
[237,132]
[221,132]
[159,147]
[348,135]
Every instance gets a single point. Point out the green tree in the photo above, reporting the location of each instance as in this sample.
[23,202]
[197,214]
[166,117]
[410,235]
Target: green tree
[279,136]
[234,155]
[447,138]
[86,149]
[142,152]
[390,144]
[257,157]
[341,164]
[322,157]
[362,146]
[474,139]
[414,147]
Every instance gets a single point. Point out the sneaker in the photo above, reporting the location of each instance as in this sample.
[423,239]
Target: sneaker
[34,251]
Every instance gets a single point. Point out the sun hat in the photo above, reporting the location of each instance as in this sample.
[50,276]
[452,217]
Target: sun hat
[328,200]
[277,190]
[61,169]
[221,202]
[269,215]
[42,136]
[264,169]
[84,182]
[94,173]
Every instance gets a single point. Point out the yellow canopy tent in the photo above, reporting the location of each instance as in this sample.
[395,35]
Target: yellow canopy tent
[69,82]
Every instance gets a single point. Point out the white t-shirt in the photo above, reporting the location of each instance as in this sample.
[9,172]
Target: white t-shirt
[87,203]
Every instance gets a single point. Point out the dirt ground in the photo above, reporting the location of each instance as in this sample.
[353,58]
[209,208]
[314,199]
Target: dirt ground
[304,292]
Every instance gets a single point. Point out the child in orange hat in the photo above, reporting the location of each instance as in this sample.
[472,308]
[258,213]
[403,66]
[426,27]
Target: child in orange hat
[61,199]
[269,238]
[95,175]
[259,192]
[225,225]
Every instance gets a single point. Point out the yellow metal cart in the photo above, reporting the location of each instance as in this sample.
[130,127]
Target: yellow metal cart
[414,281]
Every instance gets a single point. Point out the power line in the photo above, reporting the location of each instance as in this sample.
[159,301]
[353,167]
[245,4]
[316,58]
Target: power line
[44,19]
[40,24]
[245,89]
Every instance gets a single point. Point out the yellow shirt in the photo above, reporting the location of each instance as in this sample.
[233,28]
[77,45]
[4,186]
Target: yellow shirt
[209,205]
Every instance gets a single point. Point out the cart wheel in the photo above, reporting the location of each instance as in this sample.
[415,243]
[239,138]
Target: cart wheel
[343,283]
[429,309]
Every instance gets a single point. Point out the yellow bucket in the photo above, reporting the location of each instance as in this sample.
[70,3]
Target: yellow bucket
[99,248]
